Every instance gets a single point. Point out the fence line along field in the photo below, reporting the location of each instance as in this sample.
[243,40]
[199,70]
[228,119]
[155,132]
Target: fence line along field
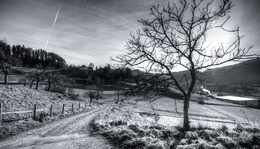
[19,102]
[40,114]
[23,108]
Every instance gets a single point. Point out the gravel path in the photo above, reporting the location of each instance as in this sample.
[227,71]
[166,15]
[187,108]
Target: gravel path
[69,133]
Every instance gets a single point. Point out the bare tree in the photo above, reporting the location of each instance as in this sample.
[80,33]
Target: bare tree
[36,75]
[175,36]
[39,76]
[7,60]
[5,68]
[31,79]
[98,82]
[52,76]
[91,94]
[25,79]
[95,91]
[120,89]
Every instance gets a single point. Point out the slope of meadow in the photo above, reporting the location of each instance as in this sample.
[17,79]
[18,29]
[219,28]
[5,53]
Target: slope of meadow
[246,72]
[19,98]
[16,99]
[157,125]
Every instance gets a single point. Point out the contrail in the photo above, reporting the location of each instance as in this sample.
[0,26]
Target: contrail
[56,17]
[47,41]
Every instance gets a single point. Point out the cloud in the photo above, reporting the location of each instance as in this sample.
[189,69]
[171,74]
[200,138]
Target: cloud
[93,30]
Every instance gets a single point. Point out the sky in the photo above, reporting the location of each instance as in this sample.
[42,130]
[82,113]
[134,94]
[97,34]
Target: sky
[85,31]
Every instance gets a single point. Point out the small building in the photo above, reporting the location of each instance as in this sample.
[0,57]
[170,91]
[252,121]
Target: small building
[240,100]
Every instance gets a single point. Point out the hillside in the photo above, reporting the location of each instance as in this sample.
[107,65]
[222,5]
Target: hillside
[246,73]
[18,105]
[18,98]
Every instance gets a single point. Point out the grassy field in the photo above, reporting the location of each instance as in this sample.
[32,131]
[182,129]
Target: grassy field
[11,78]
[241,114]
[128,129]
[159,125]
[168,108]
[131,124]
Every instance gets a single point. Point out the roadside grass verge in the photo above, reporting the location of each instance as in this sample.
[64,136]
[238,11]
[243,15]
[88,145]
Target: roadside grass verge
[14,128]
[125,129]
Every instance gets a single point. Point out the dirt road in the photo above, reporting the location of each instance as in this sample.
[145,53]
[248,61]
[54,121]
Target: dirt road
[69,133]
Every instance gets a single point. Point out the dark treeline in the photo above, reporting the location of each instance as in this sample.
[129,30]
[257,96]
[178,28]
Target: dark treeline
[89,74]
[32,58]
[49,63]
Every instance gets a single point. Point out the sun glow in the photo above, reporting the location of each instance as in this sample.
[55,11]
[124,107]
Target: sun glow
[217,38]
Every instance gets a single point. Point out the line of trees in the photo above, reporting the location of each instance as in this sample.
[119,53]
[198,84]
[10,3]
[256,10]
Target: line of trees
[18,55]
[88,74]
[56,82]
[32,58]
[7,60]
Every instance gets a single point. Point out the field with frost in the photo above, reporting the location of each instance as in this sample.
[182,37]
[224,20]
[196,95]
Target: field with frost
[159,124]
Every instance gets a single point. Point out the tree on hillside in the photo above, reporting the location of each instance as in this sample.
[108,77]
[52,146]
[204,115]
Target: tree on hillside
[97,83]
[7,60]
[176,36]
[63,85]
[95,91]
[119,87]
[39,76]
[52,76]
[26,78]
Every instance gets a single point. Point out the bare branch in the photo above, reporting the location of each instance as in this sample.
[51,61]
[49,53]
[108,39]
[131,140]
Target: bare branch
[176,36]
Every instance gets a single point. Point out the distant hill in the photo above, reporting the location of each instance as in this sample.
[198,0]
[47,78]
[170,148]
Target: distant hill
[247,72]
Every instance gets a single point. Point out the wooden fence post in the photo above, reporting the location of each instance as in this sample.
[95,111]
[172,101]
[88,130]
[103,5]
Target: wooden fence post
[85,104]
[79,106]
[34,112]
[0,113]
[63,108]
[51,111]
[72,108]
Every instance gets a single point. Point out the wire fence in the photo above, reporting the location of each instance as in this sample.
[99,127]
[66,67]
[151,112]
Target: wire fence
[54,109]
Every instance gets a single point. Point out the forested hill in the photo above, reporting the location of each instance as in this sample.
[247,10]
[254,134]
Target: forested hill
[32,58]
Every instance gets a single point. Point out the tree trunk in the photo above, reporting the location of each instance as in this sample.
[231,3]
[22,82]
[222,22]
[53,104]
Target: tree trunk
[31,83]
[37,81]
[186,123]
[49,86]
[6,78]
[37,84]
[118,95]
[90,101]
